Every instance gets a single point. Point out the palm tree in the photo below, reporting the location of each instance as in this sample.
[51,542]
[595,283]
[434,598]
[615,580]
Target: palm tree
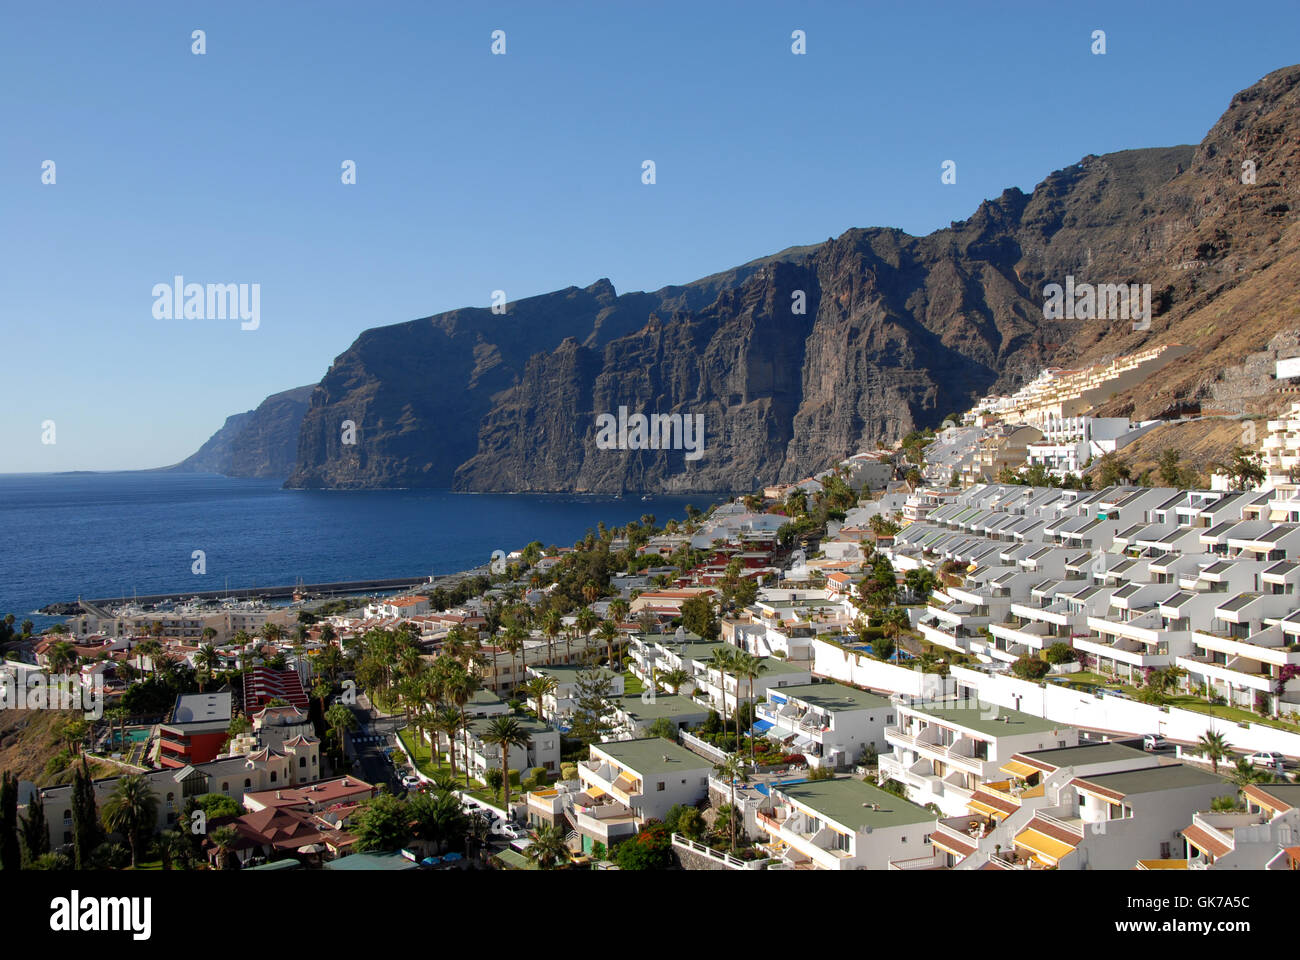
[513,643]
[732,767]
[461,686]
[60,656]
[207,657]
[446,720]
[548,848]
[506,732]
[586,621]
[150,648]
[131,810]
[224,838]
[1244,773]
[675,678]
[1215,747]
[552,623]
[272,632]
[722,660]
[340,720]
[607,633]
[751,668]
[537,688]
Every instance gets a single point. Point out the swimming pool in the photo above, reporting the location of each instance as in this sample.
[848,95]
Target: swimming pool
[763,787]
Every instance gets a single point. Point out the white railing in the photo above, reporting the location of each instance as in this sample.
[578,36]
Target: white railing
[725,859]
[696,745]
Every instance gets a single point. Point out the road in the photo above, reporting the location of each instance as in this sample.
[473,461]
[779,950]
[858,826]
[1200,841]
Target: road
[369,761]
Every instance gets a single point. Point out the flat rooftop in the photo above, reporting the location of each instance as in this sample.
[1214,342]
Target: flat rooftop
[848,801]
[664,705]
[202,708]
[1173,776]
[652,755]
[992,720]
[833,696]
[1084,753]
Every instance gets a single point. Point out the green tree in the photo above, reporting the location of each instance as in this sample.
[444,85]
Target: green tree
[506,733]
[132,811]
[698,617]
[86,833]
[548,848]
[590,721]
[10,852]
[383,823]
[1244,468]
[1215,748]
[35,830]
[732,768]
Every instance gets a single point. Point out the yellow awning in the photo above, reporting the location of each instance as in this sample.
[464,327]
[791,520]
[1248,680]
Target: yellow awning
[625,783]
[979,806]
[594,792]
[1018,769]
[1047,848]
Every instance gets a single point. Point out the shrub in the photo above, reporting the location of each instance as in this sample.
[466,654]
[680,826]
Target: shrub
[1059,653]
[492,777]
[821,773]
[1030,668]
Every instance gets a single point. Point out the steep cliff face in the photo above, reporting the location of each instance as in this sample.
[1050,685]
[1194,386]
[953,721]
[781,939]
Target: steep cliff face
[897,331]
[257,443]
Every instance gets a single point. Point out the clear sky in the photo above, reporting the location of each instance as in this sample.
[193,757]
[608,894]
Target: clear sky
[520,172]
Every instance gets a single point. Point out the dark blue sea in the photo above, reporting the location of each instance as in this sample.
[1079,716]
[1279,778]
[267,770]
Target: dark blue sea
[103,535]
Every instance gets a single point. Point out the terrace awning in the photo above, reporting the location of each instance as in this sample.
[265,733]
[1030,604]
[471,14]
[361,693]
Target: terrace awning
[761,727]
[1046,848]
[1018,769]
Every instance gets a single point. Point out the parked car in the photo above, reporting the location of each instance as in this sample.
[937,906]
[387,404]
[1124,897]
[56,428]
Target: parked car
[504,829]
[1153,742]
[411,782]
[1267,758]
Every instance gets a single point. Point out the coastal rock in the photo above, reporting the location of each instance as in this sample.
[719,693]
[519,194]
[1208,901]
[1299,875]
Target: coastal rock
[899,331]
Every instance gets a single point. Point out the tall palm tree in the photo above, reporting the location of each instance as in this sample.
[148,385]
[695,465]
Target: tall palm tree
[513,643]
[548,848]
[552,623]
[1215,747]
[751,668]
[586,622]
[537,688]
[722,659]
[131,810]
[607,633]
[60,656]
[207,657]
[461,686]
[506,732]
[446,720]
[150,648]
[733,768]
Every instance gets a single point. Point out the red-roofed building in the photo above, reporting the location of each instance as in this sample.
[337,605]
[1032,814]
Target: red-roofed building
[262,685]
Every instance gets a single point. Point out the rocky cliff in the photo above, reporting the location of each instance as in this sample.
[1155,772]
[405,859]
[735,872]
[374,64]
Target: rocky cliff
[257,443]
[897,331]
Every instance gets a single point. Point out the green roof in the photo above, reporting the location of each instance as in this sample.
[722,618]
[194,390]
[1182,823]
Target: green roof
[1084,753]
[847,801]
[698,651]
[664,705]
[515,860]
[371,861]
[566,672]
[1169,777]
[833,696]
[531,725]
[773,666]
[992,721]
[652,755]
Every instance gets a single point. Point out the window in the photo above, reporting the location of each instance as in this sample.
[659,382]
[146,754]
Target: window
[225,787]
[248,784]
[302,763]
[273,776]
[659,786]
[313,761]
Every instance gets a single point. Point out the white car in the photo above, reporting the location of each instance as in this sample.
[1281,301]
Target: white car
[1267,758]
[503,829]
[1153,742]
[411,781]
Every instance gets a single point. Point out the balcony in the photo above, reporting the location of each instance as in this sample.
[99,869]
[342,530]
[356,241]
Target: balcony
[1124,651]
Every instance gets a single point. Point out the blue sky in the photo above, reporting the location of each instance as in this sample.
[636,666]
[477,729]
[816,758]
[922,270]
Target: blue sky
[519,172]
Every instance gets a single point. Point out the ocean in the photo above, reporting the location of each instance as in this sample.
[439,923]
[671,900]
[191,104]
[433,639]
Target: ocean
[99,535]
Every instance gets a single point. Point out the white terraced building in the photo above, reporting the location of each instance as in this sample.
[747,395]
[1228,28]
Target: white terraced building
[1133,578]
